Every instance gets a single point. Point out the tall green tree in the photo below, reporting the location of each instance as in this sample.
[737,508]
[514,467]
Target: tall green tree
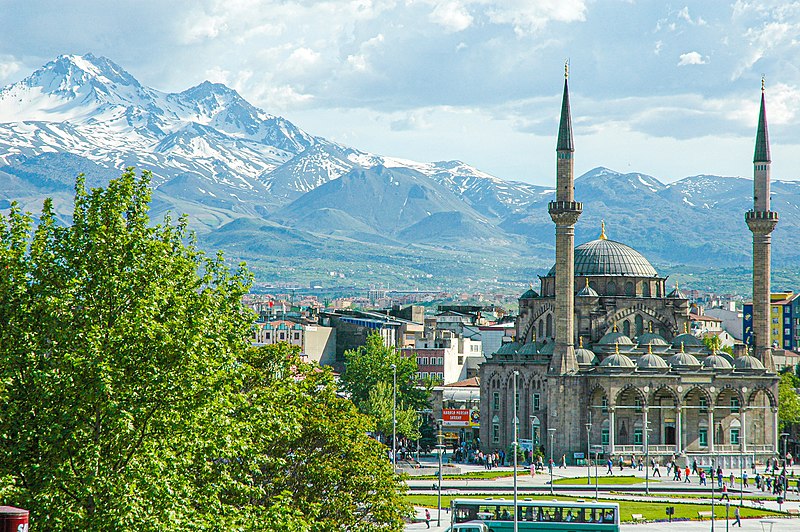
[788,400]
[371,364]
[133,401]
[379,406]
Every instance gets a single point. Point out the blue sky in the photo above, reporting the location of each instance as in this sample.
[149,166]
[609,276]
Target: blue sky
[667,89]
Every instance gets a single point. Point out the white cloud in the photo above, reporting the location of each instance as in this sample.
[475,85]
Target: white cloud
[452,15]
[8,66]
[692,58]
[527,16]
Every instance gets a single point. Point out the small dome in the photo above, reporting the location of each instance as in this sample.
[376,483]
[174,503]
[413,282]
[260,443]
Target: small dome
[747,362]
[587,291]
[684,360]
[529,294]
[687,340]
[528,349]
[676,294]
[508,349]
[651,361]
[585,357]
[547,349]
[650,338]
[714,361]
[617,360]
[615,337]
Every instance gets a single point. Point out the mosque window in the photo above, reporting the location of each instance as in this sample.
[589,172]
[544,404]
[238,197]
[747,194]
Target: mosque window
[629,289]
[536,400]
[639,325]
[604,437]
[702,435]
[734,436]
[541,328]
[496,401]
[646,289]
[604,405]
[626,328]
[611,288]
[637,437]
[549,325]
[638,403]
[703,405]
[734,404]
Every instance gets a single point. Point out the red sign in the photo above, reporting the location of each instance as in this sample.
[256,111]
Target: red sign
[455,417]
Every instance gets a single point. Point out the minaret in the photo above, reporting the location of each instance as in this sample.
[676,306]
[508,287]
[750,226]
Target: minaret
[565,212]
[761,222]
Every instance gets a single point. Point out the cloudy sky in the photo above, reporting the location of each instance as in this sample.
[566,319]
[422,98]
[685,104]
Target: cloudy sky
[667,89]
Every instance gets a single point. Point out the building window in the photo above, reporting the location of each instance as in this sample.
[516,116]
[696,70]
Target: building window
[638,403]
[604,437]
[536,401]
[423,361]
[424,374]
[475,348]
[496,401]
[703,437]
[637,437]
[604,405]
[516,400]
[495,433]
[460,360]
[734,436]
[703,406]
[734,404]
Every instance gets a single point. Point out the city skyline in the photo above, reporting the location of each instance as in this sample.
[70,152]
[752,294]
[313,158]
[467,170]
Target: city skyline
[669,91]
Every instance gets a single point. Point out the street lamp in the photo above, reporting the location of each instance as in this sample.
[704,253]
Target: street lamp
[647,459]
[552,433]
[514,450]
[597,449]
[785,437]
[394,416]
[439,448]
[588,454]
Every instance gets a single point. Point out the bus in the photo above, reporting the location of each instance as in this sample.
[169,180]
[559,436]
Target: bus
[563,516]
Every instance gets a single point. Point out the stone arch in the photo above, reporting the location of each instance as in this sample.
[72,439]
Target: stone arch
[701,391]
[626,328]
[639,321]
[661,391]
[727,391]
[753,395]
[630,289]
[646,289]
[639,308]
[632,391]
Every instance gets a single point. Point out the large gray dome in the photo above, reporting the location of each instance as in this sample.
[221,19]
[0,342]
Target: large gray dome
[607,257]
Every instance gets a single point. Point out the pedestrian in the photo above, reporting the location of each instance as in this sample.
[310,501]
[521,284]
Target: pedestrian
[719,477]
[656,472]
[641,463]
[731,479]
[738,520]
[744,479]
[610,465]
[694,467]
[563,462]
[620,462]
[724,493]
[686,475]
[427,518]
[669,467]
[703,477]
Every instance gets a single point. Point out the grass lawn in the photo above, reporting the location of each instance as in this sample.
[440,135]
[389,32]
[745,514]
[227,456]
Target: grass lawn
[602,481]
[649,510]
[466,476]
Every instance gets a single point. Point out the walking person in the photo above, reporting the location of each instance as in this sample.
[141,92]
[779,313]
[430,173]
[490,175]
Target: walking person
[694,467]
[428,518]
[686,475]
[656,471]
[610,465]
[744,479]
[563,462]
[738,520]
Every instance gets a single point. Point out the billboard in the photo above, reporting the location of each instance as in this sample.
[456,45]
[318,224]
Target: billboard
[455,417]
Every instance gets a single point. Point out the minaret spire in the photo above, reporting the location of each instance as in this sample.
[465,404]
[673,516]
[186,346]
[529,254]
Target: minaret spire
[564,212]
[762,221]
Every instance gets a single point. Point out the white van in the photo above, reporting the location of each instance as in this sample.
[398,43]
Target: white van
[470,526]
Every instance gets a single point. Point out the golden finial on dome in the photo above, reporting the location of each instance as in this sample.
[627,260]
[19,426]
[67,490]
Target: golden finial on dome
[685,328]
[616,349]
[649,349]
[682,351]
[580,342]
[650,327]
[533,337]
[603,230]
[615,327]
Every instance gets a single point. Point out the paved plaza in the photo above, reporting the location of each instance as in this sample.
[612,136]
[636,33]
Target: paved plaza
[664,490]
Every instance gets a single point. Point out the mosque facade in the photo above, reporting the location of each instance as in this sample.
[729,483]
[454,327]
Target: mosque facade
[602,360]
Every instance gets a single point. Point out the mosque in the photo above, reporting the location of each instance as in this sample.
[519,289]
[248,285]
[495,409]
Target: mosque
[603,362]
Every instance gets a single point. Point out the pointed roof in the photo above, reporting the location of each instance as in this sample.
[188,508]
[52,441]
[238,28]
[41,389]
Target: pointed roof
[565,126]
[762,136]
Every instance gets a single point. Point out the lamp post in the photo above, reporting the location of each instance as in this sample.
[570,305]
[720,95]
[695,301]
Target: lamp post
[597,449]
[439,448]
[588,454]
[552,433]
[394,416]
[785,437]
[514,450]
[647,459]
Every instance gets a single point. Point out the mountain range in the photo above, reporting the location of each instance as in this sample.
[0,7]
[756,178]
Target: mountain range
[296,206]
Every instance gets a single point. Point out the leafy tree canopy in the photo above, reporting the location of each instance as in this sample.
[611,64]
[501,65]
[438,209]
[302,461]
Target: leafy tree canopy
[133,401]
[788,400]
